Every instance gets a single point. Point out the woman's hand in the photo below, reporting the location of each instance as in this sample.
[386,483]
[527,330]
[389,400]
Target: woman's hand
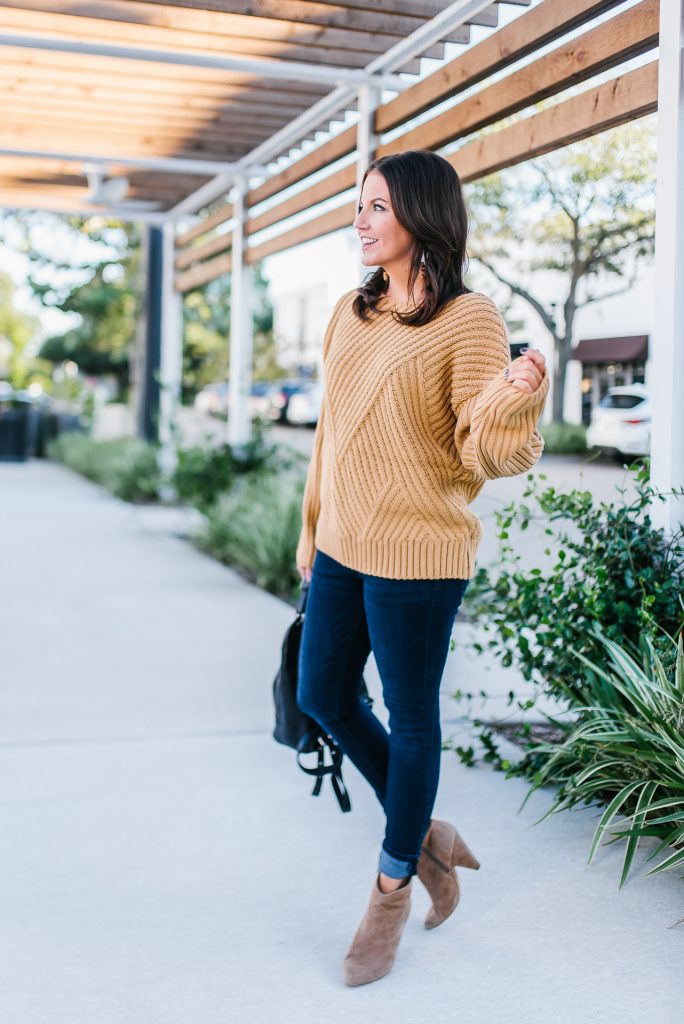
[527,371]
[305,572]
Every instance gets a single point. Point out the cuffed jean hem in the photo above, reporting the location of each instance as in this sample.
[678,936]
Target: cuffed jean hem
[395,868]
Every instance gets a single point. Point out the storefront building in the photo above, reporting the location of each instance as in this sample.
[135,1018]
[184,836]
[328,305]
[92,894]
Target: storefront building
[607,363]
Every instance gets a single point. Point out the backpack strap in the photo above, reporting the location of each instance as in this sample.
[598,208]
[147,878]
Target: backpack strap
[301,601]
[334,769]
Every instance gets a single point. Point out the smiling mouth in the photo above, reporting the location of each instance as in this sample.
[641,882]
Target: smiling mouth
[366,243]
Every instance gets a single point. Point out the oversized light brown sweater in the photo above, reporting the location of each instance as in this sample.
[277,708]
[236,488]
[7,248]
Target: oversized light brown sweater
[414,420]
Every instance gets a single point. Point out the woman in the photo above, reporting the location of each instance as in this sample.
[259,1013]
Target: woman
[422,405]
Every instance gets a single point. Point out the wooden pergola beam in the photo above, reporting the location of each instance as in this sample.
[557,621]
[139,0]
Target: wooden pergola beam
[355,19]
[31,167]
[267,9]
[102,149]
[203,273]
[102,100]
[49,65]
[341,217]
[119,137]
[334,184]
[544,23]
[195,30]
[187,257]
[539,27]
[69,195]
[334,149]
[627,35]
[220,216]
[165,188]
[179,119]
[622,99]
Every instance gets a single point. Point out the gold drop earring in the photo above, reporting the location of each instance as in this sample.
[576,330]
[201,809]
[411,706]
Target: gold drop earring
[385,276]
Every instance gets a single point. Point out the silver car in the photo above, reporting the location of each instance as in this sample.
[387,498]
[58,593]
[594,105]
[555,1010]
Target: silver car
[621,423]
[304,407]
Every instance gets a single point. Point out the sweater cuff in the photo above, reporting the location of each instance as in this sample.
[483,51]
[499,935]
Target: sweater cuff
[513,405]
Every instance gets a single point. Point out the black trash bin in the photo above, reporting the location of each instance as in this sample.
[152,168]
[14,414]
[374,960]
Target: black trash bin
[15,429]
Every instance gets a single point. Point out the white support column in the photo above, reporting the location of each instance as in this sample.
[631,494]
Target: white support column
[667,372]
[366,140]
[239,421]
[171,362]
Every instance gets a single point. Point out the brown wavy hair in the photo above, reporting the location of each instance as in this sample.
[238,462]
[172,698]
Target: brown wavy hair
[428,202]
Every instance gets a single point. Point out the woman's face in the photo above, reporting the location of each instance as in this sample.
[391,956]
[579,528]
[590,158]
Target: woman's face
[384,242]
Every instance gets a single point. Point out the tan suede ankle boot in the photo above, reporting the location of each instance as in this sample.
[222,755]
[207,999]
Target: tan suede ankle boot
[442,850]
[371,954]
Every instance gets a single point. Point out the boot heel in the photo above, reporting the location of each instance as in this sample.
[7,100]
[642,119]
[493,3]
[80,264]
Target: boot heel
[461,855]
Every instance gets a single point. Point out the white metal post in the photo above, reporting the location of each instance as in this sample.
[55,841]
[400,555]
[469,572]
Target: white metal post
[667,370]
[170,364]
[239,421]
[366,140]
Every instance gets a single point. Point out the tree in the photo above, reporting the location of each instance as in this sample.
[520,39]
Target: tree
[92,267]
[102,285]
[206,326]
[206,334]
[585,213]
[17,330]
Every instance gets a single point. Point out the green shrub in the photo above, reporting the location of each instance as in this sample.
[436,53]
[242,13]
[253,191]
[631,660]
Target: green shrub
[608,568]
[204,473]
[125,466]
[564,439]
[626,751]
[255,528]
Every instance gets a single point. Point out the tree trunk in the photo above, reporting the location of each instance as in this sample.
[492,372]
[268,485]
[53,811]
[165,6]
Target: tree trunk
[563,351]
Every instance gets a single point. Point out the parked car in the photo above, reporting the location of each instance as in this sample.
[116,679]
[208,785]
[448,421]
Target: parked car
[304,407]
[621,423]
[284,391]
[215,399]
[263,399]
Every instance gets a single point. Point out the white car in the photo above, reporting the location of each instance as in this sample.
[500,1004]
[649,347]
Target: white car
[621,423]
[304,406]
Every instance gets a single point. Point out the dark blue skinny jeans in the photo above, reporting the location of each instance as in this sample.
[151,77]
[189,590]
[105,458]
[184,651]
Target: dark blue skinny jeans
[407,624]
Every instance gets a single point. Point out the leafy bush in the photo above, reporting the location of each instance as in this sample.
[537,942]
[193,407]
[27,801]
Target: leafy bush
[627,751]
[564,439]
[126,466]
[609,568]
[204,473]
[255,527]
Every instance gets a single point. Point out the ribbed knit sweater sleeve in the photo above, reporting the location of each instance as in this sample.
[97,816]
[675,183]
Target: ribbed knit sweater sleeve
[495,432]
[311,503]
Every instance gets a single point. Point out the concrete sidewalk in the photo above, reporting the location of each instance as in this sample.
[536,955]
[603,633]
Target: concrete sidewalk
[162,861]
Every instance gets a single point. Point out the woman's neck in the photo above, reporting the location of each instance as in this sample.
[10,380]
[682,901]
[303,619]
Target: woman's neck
[397,289]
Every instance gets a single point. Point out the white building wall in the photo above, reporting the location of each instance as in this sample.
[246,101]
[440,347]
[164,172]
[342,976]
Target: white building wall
[299,321]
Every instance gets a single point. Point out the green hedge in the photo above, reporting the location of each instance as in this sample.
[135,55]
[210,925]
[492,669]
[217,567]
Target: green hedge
[596,629]
[126,466]
[203,473]
[626,751]
[564,439]
[255,527]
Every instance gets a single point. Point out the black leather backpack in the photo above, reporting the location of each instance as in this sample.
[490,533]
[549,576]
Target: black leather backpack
[293,727]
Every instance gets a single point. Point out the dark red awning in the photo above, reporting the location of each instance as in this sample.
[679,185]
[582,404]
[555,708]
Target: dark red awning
[611,350]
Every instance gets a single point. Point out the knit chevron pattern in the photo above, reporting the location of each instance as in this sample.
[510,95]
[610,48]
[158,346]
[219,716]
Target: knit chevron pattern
[414,420]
